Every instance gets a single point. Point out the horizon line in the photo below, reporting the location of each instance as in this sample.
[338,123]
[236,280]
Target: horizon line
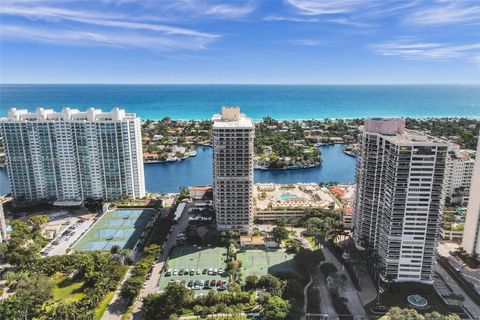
[237,84]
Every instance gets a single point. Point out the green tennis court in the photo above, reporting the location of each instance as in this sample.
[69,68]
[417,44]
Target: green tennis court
[120,227]
[260,262]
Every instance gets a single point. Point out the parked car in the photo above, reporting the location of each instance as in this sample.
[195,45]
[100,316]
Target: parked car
[168,273]
[196,285]
[190,284]
[212,283]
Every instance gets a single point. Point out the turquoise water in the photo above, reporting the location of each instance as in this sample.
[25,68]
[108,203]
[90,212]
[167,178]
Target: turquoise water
[257,101]
[287,196]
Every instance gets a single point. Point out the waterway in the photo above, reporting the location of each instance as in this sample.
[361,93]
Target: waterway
[170,176]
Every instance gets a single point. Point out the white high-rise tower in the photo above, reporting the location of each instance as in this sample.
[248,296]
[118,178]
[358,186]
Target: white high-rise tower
[397,205]
[471,236]
[233,135]
[73,155]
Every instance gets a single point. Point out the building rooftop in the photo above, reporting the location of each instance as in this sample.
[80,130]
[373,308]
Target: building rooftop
[394,131]
[232,118]
[67,114]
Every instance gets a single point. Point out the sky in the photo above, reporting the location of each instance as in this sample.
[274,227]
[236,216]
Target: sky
[240,41]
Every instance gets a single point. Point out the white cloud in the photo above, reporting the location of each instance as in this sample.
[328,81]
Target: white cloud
[104,38]
[102,28]
[212,8]
[229,11]
[52,14]
[317,7]
[305,42]
[447,12]
[342,21]
[410,49]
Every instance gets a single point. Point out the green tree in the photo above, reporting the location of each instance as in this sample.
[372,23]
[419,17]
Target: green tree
[170,302]
[328,268]
[38,221]
[251,282]
[276,309]
[272,284]
[280,233]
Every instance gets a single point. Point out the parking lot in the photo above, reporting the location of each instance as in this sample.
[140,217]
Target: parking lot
[68,228]
[203,264]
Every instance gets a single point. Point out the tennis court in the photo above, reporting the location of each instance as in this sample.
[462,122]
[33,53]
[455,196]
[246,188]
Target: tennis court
[260,262]
[120,227]
[197,259]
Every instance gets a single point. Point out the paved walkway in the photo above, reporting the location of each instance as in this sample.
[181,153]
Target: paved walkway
[468,304]
[320,283]
[354,304]
[117,305]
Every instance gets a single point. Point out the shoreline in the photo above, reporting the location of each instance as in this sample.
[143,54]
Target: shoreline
[258,120]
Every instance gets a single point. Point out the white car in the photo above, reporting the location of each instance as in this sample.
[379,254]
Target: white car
[175,272]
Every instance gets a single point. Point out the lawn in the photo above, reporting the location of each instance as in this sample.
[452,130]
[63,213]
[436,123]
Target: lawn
[103,305]
[67,289]
[312,242]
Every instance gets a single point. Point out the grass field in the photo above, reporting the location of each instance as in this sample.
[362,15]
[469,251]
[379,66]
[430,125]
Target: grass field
[197,258]
[67,290]
[121,227]
[260,262]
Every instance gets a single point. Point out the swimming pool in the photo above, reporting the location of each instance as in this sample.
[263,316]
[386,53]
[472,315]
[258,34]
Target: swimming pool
[288,196]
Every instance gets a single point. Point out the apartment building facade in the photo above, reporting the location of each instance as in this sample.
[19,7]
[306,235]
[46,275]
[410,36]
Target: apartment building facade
[397,206]
[458,175]
[471,233]
[73,155]
[233,152]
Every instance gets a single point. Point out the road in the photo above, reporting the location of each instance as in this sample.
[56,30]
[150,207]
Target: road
[473,275]
[354,304]
[471,306]
[318,281]
[326,303]
[151,285]
[117,307]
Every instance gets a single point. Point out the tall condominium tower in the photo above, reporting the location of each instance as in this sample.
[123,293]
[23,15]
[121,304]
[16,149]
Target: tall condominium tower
[458,174]
[397,206]
[471,233]
[73,155]
[233,136]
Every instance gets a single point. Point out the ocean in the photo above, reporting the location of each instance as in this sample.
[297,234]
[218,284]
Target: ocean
[283,102]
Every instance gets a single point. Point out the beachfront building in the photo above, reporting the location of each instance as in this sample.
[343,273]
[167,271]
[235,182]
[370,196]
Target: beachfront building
[73,155]
[398,199]
[458,175]
[233,135]
[3,224]
[471,233]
